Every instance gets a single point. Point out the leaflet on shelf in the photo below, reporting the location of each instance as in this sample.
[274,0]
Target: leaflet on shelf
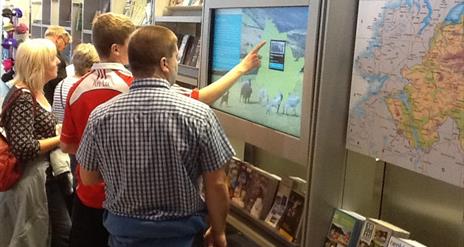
[344,229]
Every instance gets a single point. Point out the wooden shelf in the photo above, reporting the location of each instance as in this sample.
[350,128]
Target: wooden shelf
[177,19]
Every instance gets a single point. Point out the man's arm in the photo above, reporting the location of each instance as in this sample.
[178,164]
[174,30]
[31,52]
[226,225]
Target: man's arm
[212,92]
[217,201]
[90,177]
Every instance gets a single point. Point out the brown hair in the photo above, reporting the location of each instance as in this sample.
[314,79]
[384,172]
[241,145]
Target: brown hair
[147,46]
[109,29]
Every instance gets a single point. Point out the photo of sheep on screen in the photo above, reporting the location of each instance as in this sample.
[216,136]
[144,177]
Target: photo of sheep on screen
[271,95]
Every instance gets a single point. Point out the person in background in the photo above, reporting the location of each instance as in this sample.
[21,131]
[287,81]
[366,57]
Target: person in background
[151,146]
[110,33]
[36,201]
[84,56]
[61,38]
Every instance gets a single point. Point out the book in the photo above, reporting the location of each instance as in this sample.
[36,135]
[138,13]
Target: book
[239,176]
[377,233]
[196,3]
[183,47]
[401,242]
[344,229]
[291,218]
[195,62]
[261,190]
[190,51]
[180,2]
[251,189]
[299,184]
[280,203]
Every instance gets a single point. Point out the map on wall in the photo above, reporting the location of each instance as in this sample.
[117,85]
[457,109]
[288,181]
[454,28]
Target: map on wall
[407,93]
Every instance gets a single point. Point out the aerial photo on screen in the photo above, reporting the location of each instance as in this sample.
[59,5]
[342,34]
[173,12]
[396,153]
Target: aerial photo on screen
[272,95]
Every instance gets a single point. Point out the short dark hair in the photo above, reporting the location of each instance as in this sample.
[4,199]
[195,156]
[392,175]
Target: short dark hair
[109,29]
[147,46]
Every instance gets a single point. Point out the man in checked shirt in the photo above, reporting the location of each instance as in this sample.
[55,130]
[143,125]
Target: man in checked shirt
[150,146]
[208,95]
[110,34]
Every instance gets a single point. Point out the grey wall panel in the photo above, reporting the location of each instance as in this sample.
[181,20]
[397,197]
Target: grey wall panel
[327,159]
[430,209]
[363,184]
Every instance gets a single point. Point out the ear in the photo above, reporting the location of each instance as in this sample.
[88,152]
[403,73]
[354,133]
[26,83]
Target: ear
[115,49]
[164,65]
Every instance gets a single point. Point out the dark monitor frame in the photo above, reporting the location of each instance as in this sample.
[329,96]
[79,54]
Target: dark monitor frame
[295,149]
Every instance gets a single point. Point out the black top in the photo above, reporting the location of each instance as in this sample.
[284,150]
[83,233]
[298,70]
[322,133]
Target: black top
[26,122]
[49,88]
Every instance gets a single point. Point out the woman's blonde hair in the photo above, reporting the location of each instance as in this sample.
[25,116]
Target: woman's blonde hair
[84,56]
[32,60]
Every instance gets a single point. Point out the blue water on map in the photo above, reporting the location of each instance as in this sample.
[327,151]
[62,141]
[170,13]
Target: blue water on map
[376,83]
[428,18]
[455,14]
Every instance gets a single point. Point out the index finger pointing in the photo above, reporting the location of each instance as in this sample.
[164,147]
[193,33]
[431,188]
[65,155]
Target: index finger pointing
[257,47]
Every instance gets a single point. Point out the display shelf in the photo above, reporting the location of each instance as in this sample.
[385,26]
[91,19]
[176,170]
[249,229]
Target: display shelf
[64,14]
[182,20]
[46,11]
[87,38]
[256,230]
[183,11]
[188,71]
[187,80]
[179,19]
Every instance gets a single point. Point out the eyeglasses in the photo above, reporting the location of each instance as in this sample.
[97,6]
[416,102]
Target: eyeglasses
[65,40]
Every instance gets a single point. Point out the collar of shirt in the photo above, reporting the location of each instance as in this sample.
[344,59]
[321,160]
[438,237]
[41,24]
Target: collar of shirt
[113,66]
[150,82]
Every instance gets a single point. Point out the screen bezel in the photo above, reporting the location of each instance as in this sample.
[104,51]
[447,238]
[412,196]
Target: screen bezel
[293,148]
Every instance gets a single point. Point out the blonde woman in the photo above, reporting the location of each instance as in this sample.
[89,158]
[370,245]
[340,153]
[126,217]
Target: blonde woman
[35,202]
[84,56]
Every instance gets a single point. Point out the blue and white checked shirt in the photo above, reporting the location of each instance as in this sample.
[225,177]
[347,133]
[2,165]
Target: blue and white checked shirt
[151,145]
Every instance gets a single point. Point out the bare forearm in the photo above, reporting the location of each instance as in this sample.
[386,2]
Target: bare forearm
[217,201]
[49,144]
[212,92]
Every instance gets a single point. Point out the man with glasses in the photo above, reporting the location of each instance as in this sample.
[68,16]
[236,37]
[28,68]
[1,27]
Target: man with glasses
[62,39]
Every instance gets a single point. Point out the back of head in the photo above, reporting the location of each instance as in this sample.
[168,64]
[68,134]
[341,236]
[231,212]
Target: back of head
[146,48]
[109,29]
[84,56]
[32,60]
[57,31]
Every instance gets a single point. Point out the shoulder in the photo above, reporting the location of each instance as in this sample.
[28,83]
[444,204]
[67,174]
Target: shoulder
[101,110]
[79,81]
[24,95]
[195,108]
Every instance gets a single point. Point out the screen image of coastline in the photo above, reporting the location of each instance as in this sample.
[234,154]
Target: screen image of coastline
[270,96]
